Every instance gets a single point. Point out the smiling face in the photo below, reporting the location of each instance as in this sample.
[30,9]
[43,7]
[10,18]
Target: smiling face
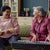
[6,13]
[36,13]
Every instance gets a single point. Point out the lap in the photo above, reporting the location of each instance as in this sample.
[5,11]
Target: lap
[6,41]
[14,38]
[3,41]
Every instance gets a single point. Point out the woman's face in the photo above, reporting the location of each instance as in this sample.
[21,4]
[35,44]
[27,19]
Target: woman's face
[6,13]
[36,13]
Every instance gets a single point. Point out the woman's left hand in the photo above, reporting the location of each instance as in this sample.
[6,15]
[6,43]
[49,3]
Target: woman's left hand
[11,29]
[8,32]
[47,38]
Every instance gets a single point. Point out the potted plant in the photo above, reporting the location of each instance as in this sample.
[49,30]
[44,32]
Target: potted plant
[26,11]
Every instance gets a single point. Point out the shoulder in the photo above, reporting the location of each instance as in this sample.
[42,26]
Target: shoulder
[0,18]
[34,20]
[14,19]
[46,19]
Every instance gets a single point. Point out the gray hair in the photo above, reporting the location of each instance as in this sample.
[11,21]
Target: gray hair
[39,9]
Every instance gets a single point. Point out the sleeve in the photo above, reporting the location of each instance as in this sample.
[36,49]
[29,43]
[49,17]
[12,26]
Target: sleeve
[16,27]
[48,26]
[32,32]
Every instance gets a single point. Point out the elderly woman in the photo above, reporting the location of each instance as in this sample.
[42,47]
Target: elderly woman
[40,30]
[9,28]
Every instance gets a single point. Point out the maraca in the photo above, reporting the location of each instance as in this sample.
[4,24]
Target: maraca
[11,29]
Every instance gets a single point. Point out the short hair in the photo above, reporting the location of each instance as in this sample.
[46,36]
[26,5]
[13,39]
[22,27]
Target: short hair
[3,8]
[39,9]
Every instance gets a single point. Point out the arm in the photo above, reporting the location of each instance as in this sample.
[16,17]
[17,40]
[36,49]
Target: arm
[16,27]
[48,28]
[32,32]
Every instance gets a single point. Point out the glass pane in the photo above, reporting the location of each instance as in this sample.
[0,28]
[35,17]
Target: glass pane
[14,8]
[6,0]
[14,14]
[13,0]
[6,4]
[14,5]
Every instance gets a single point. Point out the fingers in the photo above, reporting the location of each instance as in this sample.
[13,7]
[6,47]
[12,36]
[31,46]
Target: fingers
[8,32]
[11,29]
[33,39]
[1,33]
[47,39]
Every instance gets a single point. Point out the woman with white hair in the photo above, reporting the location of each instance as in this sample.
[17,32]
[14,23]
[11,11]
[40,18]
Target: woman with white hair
[40,30]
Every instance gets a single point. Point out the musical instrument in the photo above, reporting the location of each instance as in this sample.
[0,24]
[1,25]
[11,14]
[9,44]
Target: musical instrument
[10,29]
[23,44]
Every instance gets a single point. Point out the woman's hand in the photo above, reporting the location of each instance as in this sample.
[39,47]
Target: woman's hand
[8,32]
[11,29]
[1,33]
[48,38]
[34,38]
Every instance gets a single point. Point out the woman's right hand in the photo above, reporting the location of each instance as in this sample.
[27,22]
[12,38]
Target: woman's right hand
[47,38]
[34,38]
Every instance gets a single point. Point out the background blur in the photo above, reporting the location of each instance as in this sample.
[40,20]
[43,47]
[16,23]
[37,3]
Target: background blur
[23,9]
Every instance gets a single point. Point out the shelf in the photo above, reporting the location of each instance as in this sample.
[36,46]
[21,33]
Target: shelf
[14,8]
[14,14]
[14,1]
[13,5]
[13,11]
[6,2]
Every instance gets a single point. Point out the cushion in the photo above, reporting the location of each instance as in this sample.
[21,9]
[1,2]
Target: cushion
[25,30]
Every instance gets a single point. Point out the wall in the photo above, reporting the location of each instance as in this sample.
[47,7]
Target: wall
[31,3]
